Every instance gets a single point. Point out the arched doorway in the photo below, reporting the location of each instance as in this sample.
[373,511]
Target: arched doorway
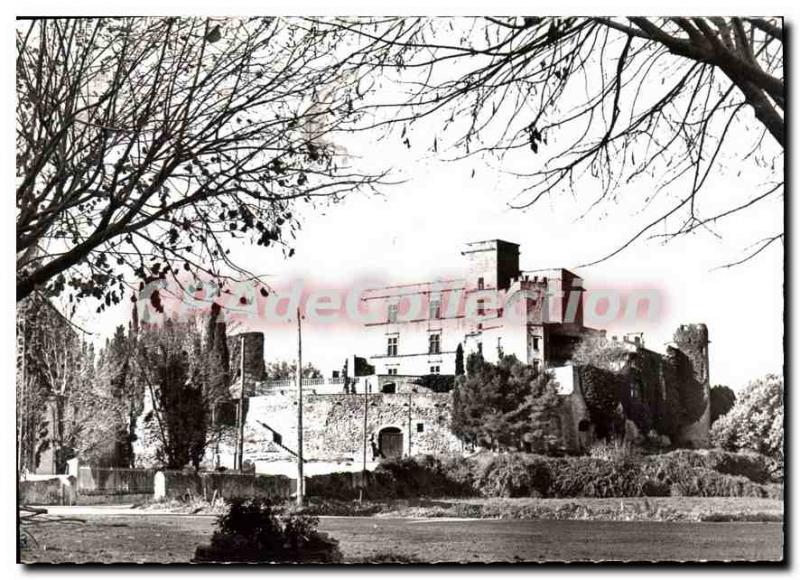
[390,442]
[389,388]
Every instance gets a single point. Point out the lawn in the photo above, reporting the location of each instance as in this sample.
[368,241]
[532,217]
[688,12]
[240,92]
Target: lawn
[172,538]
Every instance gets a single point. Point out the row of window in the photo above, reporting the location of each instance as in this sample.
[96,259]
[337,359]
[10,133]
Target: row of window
[434,344]
[434,311]
[435,307]
[434,370]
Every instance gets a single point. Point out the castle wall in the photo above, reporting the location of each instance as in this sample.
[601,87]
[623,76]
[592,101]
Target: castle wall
[333,427]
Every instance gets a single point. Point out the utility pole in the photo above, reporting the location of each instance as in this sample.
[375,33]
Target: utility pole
[364,464]
[409,424]
[240,413]
[300,481]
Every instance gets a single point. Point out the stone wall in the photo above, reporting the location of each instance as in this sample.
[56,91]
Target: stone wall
[333,426]
[57,490]
[180,485]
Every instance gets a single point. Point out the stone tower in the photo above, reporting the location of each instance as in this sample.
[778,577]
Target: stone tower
[493,264]
[692,341]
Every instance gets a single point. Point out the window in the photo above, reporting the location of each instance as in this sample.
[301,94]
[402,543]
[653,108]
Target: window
[392,313]
[434,344]
[480,283]
[535,343]
[391,371]
[481,306]
[420,427]
[435,369]
[391,346]
[436,309]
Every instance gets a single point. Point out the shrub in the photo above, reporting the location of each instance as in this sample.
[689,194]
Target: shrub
[589,477]
[753,466]
[616,470]
[513,475]
[615,450]
[721,401]
[421,475]
[709,483]
[436,383]
[252,531]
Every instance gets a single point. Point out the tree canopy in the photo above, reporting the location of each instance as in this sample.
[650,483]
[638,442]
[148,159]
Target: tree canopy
[146,146]
[642,107]
[510,405]
[755,422]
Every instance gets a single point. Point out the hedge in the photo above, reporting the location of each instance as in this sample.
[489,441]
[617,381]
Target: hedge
[681,473]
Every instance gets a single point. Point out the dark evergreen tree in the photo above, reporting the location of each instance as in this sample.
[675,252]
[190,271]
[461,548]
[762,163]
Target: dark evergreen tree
[459,360]
[510,405]
[173,358]
[722,399]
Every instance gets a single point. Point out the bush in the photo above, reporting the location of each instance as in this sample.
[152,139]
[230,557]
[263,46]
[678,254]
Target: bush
[513,475]
[615,450]
[589,477]
[753,466]
[252,531]
[338,485]
[615,471]
[721,401]
[437,383]
[421,476]
[755,422]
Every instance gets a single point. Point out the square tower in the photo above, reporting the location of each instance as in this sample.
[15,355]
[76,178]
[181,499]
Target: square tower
[492,264]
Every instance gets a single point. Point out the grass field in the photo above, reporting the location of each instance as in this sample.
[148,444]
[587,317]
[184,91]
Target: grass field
[676,509]
[147,538]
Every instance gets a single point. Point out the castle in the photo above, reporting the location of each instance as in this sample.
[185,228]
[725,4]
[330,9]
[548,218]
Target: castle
[384,410]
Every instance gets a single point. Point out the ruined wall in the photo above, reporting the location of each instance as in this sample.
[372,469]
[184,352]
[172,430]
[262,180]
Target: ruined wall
[691,340]
[668,393]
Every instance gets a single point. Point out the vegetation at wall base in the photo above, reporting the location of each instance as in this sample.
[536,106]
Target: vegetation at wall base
[690,473]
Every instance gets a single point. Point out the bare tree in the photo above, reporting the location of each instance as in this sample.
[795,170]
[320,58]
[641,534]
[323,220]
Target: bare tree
[146,144]
[55,372]
[615,100]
